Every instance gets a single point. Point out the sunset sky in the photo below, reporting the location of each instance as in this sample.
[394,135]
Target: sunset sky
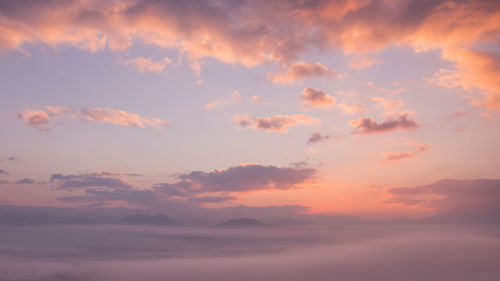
[353,107]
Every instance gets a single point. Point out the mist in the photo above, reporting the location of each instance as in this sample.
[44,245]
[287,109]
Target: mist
[348,251]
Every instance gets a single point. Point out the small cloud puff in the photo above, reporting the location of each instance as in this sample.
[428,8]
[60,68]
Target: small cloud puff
[317,98]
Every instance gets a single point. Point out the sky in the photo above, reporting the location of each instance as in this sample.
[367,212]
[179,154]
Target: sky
[379,109]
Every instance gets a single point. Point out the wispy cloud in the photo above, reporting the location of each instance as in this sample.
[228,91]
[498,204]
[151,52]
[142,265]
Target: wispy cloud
[40,119]
[363,62]
[301,70]
[278,123]
[142,64]
[236,98]
[120,117]
[413,149]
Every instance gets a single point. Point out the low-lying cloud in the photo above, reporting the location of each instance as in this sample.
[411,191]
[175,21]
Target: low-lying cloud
[455,200]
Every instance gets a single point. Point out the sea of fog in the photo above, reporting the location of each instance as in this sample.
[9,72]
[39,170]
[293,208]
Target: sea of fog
[357,251]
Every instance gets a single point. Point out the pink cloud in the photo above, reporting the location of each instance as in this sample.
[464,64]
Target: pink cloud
[317,98]
[40,119]
[35,118]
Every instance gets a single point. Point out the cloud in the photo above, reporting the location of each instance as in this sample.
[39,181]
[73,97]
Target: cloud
[363,62]
[242,178]
[397,155]
[459,200]
[120,117]
[35,118]
[58,110]
[376,87]
[256,99]
[142,64]
[189,189]
[251,33]
[236,98]
[40,119]
[82,181]
[278,123]
[3,172]
[390,106]
[317,137]
[26,181]
[370,126]
[351,109]
[317,98]
[299,71]
[210,106]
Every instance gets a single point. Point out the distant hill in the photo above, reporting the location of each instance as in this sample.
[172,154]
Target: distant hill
[148,219]
[241,223]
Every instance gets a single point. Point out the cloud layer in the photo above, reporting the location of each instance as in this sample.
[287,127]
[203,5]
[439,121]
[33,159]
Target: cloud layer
[251,32]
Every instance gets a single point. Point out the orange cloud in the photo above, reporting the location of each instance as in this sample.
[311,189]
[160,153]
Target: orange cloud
[278,123]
